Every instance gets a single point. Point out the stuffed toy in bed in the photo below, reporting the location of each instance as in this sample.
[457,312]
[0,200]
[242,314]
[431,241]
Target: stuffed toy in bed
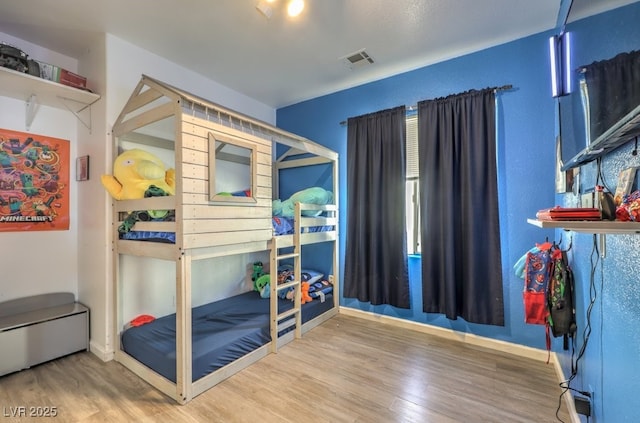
[304,291]
[257,272]
[263,286]
[313,195]
[134,171]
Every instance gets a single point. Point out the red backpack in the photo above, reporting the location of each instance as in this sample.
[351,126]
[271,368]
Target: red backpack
[548,292]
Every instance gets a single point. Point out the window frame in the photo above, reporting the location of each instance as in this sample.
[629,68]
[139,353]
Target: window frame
[253,160]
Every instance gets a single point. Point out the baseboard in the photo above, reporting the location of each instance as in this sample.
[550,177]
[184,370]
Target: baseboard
[471,339]
[100,352]
[568,396]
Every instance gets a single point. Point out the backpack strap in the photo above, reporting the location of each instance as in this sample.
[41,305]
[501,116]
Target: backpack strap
[548,339]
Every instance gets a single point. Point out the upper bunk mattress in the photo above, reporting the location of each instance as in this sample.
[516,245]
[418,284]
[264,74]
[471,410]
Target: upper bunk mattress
[222,332]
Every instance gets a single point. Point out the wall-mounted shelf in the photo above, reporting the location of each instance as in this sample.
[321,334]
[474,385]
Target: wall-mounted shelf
[590,227]
[623,131]
[37,91]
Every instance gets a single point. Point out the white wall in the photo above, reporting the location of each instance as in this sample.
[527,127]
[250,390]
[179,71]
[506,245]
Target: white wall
[126,63]
[94,242]
[34,263]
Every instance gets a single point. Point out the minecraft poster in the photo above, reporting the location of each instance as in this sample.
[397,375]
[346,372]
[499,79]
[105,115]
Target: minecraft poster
[34,182]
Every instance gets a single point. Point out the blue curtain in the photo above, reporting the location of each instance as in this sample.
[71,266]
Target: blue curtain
[461,268]
[376,247]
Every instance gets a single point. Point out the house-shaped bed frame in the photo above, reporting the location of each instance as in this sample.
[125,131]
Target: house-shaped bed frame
[209,224]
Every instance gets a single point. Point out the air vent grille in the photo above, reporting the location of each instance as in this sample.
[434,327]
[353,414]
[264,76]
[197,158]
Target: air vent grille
[357,59]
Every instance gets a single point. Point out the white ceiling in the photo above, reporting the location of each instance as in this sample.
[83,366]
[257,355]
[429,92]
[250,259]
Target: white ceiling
[281,61]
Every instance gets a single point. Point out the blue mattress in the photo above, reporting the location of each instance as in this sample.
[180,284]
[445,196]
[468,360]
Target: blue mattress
[222,332]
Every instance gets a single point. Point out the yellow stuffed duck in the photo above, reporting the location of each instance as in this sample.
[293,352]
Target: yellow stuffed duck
[134,171]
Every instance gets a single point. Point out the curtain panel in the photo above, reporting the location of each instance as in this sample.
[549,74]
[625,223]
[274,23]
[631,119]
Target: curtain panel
[461,266]
[376,248]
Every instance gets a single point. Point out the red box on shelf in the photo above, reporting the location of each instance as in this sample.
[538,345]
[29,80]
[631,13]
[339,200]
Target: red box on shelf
[568,213]
[62,76]
[72,79]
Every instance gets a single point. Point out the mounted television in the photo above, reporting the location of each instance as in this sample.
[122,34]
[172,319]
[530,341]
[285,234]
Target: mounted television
[605,82]
[612,89]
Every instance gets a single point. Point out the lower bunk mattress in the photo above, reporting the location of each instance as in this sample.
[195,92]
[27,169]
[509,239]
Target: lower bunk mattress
[222,332]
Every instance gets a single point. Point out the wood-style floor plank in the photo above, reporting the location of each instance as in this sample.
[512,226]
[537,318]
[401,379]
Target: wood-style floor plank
[347,370]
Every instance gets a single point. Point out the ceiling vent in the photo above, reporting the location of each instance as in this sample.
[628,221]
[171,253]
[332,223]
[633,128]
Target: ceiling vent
[357,59]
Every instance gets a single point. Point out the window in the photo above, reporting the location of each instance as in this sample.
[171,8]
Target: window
[232,169]
[412,197]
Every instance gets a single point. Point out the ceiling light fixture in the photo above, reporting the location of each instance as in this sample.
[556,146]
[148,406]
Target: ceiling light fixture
[294,7]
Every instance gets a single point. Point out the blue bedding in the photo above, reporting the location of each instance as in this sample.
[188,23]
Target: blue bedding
[281,226]
[222,332]
[285,226]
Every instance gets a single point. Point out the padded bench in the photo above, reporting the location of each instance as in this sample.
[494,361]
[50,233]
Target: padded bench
[40,328]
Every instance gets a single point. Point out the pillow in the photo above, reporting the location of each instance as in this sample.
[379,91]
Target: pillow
[311,276]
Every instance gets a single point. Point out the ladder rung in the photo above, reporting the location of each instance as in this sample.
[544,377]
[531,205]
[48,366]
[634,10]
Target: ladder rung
[288,313]
[287,256]
[286,324]
[287,285]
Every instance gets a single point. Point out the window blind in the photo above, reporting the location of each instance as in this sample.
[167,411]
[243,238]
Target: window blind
[412,147]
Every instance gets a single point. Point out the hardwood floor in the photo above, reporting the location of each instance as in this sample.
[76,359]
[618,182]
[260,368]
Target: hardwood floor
[346,370]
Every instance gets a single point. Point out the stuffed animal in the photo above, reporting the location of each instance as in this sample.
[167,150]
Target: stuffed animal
[313,195]
[263,286]
[257,272]
[304,293]
[265,289]
[134,171]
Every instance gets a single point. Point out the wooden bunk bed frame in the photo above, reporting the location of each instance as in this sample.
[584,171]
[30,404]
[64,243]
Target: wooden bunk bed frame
[198,219]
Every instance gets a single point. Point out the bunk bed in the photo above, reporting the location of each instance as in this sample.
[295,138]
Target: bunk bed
[187,352]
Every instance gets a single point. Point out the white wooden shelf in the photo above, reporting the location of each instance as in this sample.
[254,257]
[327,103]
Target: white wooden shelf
[37,91]
[590,227]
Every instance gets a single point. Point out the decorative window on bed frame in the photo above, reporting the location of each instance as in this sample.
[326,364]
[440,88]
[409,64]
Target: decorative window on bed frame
[232,169]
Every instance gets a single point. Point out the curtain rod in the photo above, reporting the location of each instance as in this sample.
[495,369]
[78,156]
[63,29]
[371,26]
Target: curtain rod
[415,106]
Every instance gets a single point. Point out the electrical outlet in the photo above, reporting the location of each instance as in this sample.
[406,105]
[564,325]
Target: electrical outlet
[583,405]
[586,200]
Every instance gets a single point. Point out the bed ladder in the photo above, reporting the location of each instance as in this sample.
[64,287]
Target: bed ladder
[281,321]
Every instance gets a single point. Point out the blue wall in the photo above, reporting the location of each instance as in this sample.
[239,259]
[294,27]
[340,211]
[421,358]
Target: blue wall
[526,156]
